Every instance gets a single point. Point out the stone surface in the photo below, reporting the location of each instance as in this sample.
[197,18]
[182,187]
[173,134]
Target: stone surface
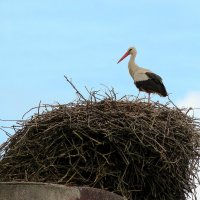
[46,191]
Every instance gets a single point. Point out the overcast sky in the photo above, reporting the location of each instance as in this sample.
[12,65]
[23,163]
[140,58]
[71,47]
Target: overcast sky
[40,41]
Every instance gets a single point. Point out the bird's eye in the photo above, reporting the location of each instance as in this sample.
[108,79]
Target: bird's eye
[129,49]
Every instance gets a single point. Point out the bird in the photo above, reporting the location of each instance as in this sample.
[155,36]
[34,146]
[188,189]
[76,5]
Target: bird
[144,79]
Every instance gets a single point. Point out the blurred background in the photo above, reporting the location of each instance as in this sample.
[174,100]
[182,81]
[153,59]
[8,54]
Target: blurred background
[41,41]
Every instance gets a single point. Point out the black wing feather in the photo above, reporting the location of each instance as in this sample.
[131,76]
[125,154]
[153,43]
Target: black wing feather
[160,88]
[155,77]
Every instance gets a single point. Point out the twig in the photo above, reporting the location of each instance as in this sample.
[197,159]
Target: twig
[173,103]
[75,88]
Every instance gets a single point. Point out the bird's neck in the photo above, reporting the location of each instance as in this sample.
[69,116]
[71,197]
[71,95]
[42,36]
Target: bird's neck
[132,66]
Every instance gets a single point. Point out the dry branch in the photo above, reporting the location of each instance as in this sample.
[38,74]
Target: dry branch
[137,150]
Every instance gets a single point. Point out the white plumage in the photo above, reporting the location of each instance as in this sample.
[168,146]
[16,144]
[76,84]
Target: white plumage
[144,79]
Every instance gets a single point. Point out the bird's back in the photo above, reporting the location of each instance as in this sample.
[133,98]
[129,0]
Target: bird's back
[140,74]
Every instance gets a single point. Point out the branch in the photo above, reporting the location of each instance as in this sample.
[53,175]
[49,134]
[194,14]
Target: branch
[75,88]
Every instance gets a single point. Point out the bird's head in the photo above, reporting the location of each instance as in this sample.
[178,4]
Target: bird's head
[131,51]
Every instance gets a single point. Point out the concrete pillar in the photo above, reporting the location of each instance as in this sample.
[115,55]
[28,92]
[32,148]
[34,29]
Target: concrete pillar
[47,191]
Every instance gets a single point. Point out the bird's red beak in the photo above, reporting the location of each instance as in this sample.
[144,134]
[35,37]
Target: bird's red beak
[124,56]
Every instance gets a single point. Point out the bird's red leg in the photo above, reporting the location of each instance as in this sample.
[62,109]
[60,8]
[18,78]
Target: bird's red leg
[149,98]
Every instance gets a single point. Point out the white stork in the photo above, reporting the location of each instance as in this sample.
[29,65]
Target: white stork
[144,79]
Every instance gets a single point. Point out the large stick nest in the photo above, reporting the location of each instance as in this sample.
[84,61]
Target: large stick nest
[139,150]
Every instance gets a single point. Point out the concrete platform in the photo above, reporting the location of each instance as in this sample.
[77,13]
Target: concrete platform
[46,191]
